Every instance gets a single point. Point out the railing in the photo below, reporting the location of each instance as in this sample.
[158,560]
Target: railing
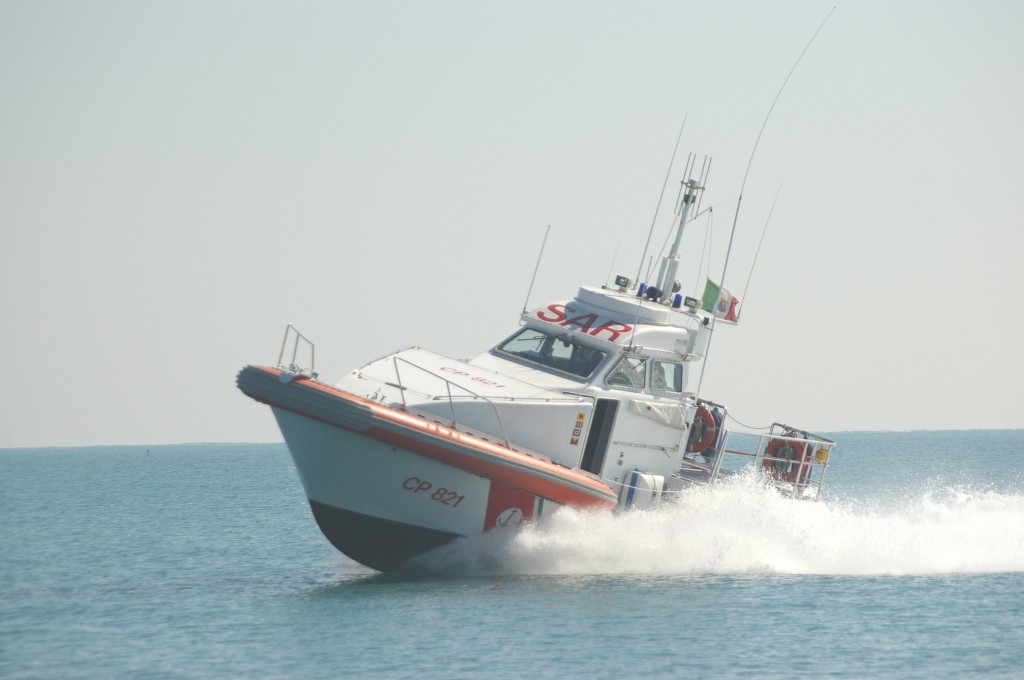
[796,460]
[448,385]
[291,333]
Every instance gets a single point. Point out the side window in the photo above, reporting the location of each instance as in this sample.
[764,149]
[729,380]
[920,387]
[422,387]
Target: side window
[666,376]
[629,372]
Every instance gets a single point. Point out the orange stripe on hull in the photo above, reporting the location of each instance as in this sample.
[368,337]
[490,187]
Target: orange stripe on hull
[527,480]
[554,482]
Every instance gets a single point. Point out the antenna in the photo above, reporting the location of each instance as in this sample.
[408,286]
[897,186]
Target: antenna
[705,253]
[757,141]
[611,267]
[639,308]
[526,302]
[658,207]
[739,201]
[705,170]
[691,163]
[758,251]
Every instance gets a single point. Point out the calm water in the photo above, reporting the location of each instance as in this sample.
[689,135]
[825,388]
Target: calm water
[203,561]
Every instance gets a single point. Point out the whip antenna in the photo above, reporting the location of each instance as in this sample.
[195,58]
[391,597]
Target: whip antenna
[529,290]
[739,201]
[611,267]
[758,251]
[663,186]
[757,141]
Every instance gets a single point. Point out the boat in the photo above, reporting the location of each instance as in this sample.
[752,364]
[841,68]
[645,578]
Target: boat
[589,403]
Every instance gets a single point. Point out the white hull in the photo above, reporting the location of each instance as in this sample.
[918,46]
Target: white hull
[385,487]
[408,503]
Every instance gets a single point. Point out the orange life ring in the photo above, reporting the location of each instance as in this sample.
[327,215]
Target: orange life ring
[708,431]
[791,459]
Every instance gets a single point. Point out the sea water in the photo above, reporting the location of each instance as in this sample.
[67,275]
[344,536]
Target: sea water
[203,561]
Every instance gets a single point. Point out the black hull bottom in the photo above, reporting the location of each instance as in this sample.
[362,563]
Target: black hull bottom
[380,544]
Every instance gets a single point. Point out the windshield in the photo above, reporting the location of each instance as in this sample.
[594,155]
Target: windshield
[561,353]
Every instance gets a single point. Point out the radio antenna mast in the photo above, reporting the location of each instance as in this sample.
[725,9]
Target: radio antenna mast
[739,201]
[757,252]
[757,141]
[529,290]
[662,196]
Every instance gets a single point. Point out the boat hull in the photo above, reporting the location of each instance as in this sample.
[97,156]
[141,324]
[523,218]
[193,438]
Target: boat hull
[374,542]
[385,486]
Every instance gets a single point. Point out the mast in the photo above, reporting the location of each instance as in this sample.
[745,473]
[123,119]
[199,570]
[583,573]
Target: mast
[666,285]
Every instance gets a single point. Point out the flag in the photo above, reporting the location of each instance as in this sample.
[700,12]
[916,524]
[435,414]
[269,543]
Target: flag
[723,304]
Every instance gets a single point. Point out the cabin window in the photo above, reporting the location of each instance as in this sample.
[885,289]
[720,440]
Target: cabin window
[666,376]
[559,352]
[629,372]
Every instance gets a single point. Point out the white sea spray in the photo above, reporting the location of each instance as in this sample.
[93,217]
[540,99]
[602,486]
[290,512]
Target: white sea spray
[744,526]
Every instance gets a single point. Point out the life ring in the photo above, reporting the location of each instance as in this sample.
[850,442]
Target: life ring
[791,459]
[706,430]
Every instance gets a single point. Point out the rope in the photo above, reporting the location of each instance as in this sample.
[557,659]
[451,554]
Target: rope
[749,427]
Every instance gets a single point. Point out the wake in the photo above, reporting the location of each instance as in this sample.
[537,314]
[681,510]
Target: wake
[745,527]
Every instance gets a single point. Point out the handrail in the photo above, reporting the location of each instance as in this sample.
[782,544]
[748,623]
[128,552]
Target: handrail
[815,456]
[289,331]
[810,469]
[401,388]
[451,401]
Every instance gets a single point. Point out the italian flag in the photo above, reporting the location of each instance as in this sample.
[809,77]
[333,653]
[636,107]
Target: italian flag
[720,301]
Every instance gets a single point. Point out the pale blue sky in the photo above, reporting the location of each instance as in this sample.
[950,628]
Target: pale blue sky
[180,180]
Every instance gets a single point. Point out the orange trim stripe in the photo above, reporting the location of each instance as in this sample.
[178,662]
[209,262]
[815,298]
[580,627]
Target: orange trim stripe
[551,481]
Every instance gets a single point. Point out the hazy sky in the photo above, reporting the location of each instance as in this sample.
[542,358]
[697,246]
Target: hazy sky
[180,180]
